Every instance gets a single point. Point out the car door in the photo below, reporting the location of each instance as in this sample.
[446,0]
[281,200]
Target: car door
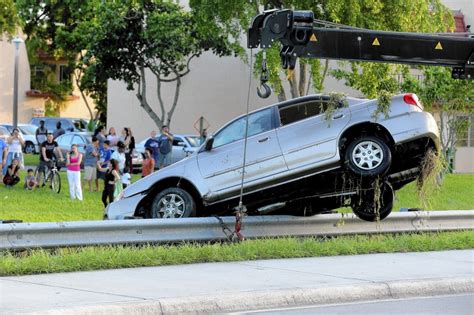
[307,137]
[221,167]
[64,142]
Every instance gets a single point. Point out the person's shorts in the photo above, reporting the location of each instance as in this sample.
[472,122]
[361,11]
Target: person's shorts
[100,175]
[90,173]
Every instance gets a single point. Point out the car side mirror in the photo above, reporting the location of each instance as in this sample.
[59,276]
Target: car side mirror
[70,129]
[209,143]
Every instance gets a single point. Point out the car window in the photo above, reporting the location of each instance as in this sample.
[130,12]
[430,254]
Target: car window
[178,141]
[50,125]
[28,129]
[78,140]
[194,141]
[67,125]
[258,122]
[65,140]
[293,113]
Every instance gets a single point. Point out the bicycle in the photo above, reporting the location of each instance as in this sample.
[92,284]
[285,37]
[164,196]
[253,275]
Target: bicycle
[52,176]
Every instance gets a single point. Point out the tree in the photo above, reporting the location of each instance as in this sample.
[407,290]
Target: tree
[53,27]
[129,38]
[8,18]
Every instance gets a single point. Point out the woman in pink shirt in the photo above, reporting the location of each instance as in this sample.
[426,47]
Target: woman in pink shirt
[74,159]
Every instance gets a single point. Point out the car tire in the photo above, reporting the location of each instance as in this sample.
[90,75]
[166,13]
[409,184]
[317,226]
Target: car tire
[364,204]
[368,156]
[173,203]
[30,148]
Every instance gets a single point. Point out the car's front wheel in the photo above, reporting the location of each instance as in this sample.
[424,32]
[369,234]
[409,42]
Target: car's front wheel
[173,203]
[368,156]
[29,148]
[373,204]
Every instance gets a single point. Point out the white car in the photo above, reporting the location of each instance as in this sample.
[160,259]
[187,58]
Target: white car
[297,161]
[183,146]
[29,135]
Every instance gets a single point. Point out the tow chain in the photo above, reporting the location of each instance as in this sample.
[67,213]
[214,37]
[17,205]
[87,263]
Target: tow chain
[233,236]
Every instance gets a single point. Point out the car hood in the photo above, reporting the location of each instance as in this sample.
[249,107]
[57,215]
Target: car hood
[181,168]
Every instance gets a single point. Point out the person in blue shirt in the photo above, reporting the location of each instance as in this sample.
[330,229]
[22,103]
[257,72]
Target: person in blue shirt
[3,155]
[166,146]
[105,154]
[154,145]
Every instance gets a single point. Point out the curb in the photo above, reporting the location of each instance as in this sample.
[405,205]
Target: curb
[254,300]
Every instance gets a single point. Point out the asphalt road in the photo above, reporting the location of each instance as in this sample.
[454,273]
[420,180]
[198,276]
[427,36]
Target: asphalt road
[445,305]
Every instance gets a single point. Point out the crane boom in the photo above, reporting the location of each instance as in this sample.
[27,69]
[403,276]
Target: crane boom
[299,37]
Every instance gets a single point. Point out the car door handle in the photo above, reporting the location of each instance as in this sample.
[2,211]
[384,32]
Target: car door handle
[337,116]
[263,140]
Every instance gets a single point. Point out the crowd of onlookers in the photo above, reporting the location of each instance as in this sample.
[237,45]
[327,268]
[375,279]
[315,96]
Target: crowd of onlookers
[108,157]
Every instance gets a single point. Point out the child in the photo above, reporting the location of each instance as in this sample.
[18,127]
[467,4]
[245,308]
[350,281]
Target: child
[30,180]
[126,178]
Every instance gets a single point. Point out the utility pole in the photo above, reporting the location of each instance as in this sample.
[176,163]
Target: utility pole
[17,41]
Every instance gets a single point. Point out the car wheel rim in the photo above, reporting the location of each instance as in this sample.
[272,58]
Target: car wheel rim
[367,155]
[171,206]
[29,149]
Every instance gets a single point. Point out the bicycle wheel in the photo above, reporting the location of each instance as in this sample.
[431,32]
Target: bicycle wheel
[55,182]
[40,176]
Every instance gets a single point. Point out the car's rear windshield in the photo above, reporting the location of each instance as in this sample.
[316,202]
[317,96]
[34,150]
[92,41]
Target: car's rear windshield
[28,130]
[194,141]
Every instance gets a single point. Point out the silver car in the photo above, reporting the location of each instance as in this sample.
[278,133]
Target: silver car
[183,146]
[298,161]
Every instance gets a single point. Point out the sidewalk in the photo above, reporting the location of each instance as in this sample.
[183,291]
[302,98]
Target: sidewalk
[226,287]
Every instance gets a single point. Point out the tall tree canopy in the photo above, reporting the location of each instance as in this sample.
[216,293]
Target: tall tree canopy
[8,17]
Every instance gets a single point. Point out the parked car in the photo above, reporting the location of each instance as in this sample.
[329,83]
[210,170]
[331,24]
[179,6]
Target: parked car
[29,134]
[183,146]
[4,133]
[68,124]
[66,140]
[298,161]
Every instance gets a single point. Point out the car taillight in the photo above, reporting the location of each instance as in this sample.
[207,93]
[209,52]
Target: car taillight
[412,99]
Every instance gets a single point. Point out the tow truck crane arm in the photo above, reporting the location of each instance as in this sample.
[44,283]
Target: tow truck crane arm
[300,36]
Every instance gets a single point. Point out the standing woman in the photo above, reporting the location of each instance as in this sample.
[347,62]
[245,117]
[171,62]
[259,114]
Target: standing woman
[111,178]
[73,162]
[15,149]
[113,138]
[129,142]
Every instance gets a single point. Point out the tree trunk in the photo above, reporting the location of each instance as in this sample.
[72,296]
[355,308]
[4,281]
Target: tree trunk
[302,83]
[77,76]
[141,95]
[176,97]
[293,85]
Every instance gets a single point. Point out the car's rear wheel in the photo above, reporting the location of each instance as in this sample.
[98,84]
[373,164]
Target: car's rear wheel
[173,203]
[368,156]
[373,204]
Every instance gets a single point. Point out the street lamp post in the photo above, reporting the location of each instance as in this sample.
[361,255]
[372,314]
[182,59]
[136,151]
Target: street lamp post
[17,41]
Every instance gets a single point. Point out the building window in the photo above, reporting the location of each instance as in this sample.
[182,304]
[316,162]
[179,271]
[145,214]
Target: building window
[64,73]
[467,138]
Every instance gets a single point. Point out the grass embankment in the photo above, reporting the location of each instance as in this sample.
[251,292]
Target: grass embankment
[42,205]
[110,257]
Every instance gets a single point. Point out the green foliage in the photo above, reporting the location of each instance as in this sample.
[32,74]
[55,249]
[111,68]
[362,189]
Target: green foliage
[108,257]
[8,18]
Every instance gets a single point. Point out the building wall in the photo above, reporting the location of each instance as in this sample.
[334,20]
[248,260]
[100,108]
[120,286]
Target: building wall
[464,160]
[27,105]
[466,7]
[7,64]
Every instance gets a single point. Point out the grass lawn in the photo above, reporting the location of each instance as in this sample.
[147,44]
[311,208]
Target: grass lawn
[108,257]
[42,205]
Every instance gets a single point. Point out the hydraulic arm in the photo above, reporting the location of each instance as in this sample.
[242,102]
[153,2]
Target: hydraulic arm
[300,36]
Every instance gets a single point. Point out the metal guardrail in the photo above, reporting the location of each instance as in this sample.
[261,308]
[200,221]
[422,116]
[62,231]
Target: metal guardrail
[82,233]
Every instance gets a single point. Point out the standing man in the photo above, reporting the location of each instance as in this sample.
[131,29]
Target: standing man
[3,156]
[59,130]
[49,150]
[166,144]
[41,133]
[91,157]
[154,145]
